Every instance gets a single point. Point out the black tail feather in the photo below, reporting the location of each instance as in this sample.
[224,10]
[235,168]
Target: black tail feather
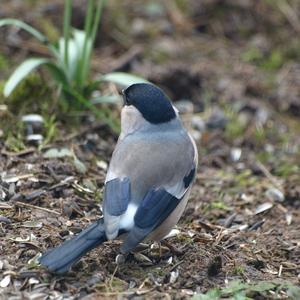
[61,258]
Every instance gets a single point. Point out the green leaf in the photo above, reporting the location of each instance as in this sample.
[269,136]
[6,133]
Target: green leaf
[293,292]
[122,78]
[21,72]
[84,47]
[79,165]
[262,286]
[213,294]
[57,73]
[234,287]
[58,153]
[101,114]
[75,48]
[111,99]
[28,66]
[26,27]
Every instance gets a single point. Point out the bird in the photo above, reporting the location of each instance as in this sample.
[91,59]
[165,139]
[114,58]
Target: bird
[148,182]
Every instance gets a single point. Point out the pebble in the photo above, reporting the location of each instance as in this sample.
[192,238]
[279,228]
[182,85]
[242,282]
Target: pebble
[263,207]
[275,194]
[198,123]
[235,154]
[217,120]
[5,281]
[184,106]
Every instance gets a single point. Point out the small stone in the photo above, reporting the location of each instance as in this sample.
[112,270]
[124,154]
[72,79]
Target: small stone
[2,194]
[34,138]
[198,123]
[4,220]
[173,276]
[102,164]
[196,135]
[138,27]
[120,259]
[5,281]
[275,194]
[235,154]
[33,280]
[32,118]
[289,218]
[263,207]
[184,106]
[217,120]
[262,116]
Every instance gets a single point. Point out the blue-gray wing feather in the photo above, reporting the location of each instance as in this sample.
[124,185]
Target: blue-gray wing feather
[156,206]
[189,178]
[117,196]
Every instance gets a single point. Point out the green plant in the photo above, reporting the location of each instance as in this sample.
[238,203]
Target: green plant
[246,291]
[70,61]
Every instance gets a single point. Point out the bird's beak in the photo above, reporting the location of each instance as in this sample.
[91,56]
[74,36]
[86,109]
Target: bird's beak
[124,97]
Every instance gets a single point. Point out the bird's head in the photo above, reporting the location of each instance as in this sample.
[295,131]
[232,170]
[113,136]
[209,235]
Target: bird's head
[150,101]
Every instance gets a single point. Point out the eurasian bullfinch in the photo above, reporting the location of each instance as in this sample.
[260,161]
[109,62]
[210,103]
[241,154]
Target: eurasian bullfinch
[148,181]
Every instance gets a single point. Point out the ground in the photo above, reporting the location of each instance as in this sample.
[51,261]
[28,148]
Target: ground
[239,81]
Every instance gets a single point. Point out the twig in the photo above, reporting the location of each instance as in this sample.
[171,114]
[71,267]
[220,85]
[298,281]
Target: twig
[21,153]
[290,14]
[126,59]
[267,173]
[176,265]
[280,271]
[22,204]
[5,206]
[25,151]
[112,278]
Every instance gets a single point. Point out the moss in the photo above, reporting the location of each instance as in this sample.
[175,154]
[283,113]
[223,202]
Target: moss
[31,95]
[234,128]
[273,61]
[219,205]
[14,142]
[3,62]
[286,169]
[245,178]
[252,54]
[239,270]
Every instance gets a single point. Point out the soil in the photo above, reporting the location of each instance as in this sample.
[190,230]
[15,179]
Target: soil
[243,218]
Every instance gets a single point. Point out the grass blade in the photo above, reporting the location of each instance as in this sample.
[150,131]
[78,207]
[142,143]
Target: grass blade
[13,22]
[67,25]
[91,40]
[106,117]
[83,65]
[123,79]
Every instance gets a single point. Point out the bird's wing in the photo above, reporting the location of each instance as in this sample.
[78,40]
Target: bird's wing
[155,208]
[158,172]
[116,199]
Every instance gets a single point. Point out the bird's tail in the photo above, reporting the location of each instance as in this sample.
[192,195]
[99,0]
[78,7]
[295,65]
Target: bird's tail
[61,258]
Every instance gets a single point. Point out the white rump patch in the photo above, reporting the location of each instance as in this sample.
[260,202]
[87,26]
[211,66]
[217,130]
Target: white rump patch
[127,219]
